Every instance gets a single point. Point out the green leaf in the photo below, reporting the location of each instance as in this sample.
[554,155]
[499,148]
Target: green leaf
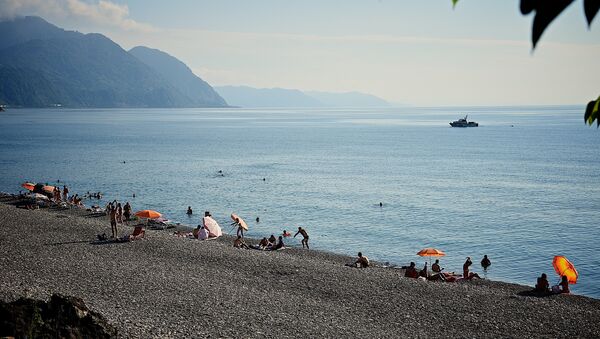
[545,13]
[454,3]
[591,112]
[591,8]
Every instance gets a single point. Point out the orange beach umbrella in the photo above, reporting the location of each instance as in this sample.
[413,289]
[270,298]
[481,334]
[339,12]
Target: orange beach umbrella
[430,252]
[240,221]
[563,266]
[28,186]
[148,214]
[48,189]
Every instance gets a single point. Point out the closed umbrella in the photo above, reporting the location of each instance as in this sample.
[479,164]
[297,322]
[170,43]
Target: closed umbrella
[563,266]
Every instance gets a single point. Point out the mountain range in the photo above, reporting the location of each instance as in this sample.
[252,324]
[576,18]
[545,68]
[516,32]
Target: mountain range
[43,65]
[245,96]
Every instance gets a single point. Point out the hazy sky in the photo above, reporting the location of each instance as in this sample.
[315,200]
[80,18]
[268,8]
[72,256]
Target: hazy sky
[416,52]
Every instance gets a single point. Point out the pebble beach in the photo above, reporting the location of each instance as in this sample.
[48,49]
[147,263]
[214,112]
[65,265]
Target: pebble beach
[171,287]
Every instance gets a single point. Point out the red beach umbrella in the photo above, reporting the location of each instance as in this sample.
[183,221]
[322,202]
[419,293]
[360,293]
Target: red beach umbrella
[563,266]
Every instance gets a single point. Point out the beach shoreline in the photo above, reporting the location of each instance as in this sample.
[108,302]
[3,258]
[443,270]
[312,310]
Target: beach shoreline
[165,286]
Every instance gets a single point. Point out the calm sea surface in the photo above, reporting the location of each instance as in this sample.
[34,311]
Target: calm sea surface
[521,188]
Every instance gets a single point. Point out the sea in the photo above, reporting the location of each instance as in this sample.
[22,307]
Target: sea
[521,188]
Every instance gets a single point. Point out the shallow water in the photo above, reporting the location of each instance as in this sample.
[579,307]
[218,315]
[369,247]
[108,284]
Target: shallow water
[523,187]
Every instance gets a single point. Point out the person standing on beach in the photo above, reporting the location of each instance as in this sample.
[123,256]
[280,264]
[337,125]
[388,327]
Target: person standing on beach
[65,193]
[113,221]
[127,212]
[240,229]
[304,236]
[119,213]
[466,265]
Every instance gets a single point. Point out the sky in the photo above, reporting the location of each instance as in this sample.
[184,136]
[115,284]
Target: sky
[411,52]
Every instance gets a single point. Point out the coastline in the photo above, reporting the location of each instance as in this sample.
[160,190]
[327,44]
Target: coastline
[165,286]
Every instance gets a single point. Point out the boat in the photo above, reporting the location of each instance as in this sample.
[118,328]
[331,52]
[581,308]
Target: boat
[464,123]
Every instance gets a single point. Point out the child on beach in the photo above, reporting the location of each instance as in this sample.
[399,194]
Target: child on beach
[304,236]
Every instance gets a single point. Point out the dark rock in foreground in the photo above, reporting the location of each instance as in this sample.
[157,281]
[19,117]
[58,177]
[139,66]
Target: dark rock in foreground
[60,317]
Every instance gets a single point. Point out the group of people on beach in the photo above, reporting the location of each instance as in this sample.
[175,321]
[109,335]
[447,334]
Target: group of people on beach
[118,214]
[59,196]
[436,270]
[542,287]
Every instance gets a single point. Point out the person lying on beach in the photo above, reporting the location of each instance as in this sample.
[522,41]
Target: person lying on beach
[471,276]
[361,261]
[411,271]
[542,285]
[436,266]
[239,243]
[304,237]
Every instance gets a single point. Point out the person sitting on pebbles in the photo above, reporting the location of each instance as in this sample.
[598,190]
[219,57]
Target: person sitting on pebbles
[436,266]
[542,286]
[362,261]
[263,244]
[239,243]
[411,271]
[203,233]
[279,244]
